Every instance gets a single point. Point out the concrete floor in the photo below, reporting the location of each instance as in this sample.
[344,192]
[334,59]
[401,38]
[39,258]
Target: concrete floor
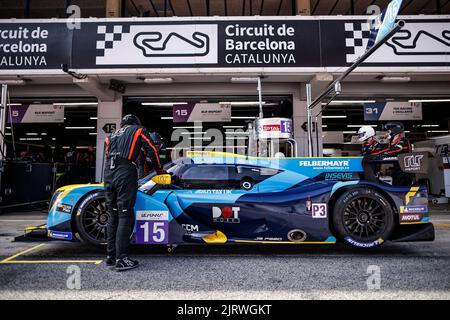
[407,270]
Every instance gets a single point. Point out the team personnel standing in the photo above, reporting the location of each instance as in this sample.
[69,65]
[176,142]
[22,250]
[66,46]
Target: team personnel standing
[122,149]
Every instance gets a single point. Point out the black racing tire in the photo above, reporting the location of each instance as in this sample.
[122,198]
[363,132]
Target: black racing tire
[363,218]
[247,184]
[91,219]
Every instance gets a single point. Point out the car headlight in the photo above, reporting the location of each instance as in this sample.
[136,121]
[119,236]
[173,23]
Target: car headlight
[54,197]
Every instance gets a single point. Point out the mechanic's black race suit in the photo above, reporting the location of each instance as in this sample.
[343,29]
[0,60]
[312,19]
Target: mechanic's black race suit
[121,183]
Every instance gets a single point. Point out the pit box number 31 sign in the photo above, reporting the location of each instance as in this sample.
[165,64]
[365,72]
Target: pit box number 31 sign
[152,227]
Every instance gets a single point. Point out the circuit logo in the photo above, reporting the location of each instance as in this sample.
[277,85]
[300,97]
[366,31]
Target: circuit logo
[226,214]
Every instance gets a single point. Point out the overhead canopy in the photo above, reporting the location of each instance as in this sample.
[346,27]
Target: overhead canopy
[181,8]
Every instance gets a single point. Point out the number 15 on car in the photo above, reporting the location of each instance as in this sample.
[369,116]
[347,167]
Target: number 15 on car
[152,227]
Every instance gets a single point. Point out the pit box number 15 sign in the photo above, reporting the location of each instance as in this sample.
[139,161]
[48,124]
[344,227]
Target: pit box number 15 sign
[152,227]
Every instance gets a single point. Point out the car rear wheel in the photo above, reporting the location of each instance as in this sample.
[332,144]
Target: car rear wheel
[91,219]
[363,218]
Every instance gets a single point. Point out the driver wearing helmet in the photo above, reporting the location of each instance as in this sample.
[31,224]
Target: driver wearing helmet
[366,135]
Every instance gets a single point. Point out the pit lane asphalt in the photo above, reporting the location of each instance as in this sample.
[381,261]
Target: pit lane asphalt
[408,270]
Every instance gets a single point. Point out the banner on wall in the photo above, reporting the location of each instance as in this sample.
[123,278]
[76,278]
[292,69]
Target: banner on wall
[220,43]
[383,111]
[202,112]
[37,113]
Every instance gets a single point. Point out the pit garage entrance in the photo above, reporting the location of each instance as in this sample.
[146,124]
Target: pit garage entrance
[156,114]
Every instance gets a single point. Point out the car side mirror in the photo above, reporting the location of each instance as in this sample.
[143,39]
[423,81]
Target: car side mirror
[162,179]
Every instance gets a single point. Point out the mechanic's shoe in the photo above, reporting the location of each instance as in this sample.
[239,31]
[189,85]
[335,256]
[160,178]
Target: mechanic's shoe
[110,261]
[126,264]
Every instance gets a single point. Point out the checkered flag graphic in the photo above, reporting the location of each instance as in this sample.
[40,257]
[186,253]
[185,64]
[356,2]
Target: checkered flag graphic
[107,35]
[356,38]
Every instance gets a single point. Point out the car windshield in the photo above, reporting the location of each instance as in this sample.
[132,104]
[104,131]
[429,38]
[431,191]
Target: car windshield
[145,184]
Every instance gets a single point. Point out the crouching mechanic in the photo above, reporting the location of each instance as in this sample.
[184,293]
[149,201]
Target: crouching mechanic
[122,149]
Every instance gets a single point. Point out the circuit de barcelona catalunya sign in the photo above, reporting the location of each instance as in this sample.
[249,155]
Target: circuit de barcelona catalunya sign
[220,43]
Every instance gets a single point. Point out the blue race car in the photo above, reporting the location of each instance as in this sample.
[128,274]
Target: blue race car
[220,198]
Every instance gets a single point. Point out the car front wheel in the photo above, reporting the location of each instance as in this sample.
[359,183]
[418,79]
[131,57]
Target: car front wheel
[363,218]
[91,219]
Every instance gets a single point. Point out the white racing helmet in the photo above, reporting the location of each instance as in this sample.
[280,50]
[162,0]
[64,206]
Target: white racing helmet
[365,132]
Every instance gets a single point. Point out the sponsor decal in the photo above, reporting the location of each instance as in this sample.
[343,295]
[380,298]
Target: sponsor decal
[67,208]
[213,191]
[362,244]
[268,239]
[341,176]
[410,217]
[332,165]
[152,215]
[152,227]
[272,127]
[60,235]
[86,201]
[190,227]
[226,214]
[319,210]
[413,209]
[416,162]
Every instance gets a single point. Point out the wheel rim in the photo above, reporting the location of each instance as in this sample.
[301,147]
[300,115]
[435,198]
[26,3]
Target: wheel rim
[365,218]
[94,220]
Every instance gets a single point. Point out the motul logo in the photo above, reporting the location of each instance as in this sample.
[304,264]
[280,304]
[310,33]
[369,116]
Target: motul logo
[226,214]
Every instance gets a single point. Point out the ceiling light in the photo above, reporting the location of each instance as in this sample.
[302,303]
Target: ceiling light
[192,127]
[13,82]
[166,118]
[233,127]
[158,80]
[430,100]
[189,133]
[244,118]
[162,104]
[395,79]
[334,117]
[244,79]
[68,104]
[243,103]
[236,133]
[93,118]
[351,101]
[80,128]
[197,138]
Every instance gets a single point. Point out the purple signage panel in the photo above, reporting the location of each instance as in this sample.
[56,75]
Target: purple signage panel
[181,112]
[152,231]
